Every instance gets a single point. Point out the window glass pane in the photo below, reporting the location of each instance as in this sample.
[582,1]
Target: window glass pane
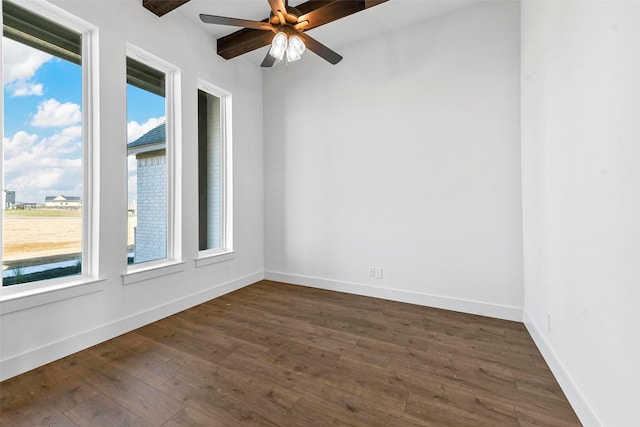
[147,163]
[210,172]
[42,148]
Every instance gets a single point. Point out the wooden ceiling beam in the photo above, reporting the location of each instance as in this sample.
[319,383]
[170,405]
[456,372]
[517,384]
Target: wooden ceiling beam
[161,7]
[243,41]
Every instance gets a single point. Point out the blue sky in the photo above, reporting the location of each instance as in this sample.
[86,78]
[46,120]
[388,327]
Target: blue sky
[42,123]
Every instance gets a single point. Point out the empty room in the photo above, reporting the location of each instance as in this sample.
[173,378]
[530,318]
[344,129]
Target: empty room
[351,212]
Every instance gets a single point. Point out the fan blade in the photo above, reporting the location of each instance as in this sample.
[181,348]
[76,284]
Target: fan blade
[223,20]
[319,12]
[320,49]
[268,61]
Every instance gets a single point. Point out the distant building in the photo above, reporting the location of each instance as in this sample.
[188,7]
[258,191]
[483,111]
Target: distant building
[8,199]
[151,203]
[65,202]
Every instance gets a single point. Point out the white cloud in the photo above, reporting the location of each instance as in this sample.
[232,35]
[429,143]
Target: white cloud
[132,177]
[25,150]
[36,167]
[136,130]
[132,163]
[50,177]
[20,62]
[24,88]
[66,141]
[21,142]
[52,113]
[20,65]
[132,186]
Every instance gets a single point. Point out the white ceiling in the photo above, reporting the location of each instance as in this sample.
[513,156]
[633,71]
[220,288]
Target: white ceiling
[382,18]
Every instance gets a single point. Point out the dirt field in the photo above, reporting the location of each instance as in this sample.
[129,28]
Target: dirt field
[33,236]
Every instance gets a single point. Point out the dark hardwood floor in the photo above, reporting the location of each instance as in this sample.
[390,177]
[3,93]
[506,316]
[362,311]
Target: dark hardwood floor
[282,355]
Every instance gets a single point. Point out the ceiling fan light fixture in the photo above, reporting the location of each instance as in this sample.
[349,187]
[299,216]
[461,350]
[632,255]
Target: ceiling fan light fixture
[296,48]
[278,46]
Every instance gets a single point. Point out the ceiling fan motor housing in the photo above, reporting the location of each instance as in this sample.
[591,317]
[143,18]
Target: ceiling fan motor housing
[290,18]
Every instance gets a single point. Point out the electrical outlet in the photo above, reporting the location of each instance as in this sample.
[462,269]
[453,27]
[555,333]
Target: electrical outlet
[378,272]
[229,268]
[372,272]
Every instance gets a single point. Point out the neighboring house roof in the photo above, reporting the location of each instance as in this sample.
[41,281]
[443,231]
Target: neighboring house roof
[62,198]
[150,141]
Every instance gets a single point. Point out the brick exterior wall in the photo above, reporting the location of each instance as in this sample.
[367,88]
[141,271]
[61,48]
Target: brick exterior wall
[151,231]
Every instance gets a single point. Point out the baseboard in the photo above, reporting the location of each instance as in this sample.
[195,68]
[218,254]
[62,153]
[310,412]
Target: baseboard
[24,362]
[584,412]
[455,304]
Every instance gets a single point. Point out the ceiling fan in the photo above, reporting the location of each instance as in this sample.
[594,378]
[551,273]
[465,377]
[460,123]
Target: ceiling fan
[289,25]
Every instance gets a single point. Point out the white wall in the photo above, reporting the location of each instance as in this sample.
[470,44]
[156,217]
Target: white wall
[405,156]
[581,187]
[35,336]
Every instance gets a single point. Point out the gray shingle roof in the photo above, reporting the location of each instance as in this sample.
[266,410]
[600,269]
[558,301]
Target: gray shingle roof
[154,136]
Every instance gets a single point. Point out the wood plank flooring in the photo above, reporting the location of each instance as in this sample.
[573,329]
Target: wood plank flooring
[273,354]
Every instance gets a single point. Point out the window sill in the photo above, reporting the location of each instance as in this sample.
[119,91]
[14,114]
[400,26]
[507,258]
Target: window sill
[41,295]
[209,259]
[152,272]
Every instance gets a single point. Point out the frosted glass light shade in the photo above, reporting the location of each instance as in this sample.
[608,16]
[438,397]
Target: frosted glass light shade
[296,48]
[278,46]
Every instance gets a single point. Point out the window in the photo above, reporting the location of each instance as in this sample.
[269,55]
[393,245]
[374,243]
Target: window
[214,171]
[150,159]
[47,147]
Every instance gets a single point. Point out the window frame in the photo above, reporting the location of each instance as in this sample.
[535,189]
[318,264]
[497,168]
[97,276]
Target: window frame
[19,297]
[226,249]
[173,261]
